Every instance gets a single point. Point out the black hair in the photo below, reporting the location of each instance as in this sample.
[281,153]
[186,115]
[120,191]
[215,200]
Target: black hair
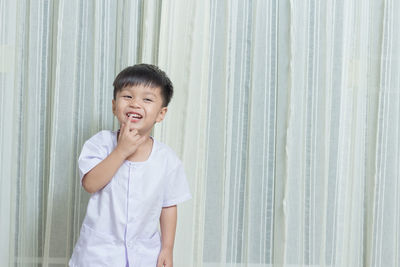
[146,75]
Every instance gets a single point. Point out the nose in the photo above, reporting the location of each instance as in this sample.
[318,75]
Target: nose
[133,102]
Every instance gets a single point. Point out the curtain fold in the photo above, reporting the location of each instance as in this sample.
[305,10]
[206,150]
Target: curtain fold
[285,115]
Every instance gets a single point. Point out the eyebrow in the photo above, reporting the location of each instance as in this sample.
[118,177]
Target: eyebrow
[125,91]
[149,93]
[145,93]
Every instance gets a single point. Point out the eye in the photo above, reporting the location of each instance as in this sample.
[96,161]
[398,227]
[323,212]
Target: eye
[127,96]
[147,100]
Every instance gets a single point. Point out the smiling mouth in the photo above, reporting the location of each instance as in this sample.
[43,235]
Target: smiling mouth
[134,116]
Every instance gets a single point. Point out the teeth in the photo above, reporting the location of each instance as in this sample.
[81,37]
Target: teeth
[134,115]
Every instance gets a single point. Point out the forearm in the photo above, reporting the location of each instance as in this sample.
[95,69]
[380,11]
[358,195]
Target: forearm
[168,227]
[101,174]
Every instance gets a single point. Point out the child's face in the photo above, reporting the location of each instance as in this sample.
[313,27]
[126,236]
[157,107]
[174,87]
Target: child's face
[143,104]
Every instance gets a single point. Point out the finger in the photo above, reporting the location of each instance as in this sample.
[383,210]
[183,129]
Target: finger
[122,129]
[159,262]
[127,124]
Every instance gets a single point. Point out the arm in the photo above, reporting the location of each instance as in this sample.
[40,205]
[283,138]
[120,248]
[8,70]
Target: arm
[101,174]
[168,227]
[98,177]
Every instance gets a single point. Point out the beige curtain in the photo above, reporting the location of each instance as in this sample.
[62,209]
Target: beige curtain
[286,115]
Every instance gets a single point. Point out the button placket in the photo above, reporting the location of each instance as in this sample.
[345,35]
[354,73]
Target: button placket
[133,173]
[130,243]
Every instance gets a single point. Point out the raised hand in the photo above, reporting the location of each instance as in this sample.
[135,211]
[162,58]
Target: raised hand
[129,139]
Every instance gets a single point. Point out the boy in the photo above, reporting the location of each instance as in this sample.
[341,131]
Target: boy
[135,181]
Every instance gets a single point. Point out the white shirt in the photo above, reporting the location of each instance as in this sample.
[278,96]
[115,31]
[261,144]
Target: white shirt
[121,224]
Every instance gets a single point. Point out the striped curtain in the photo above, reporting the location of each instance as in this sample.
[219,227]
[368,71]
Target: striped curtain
[286,115]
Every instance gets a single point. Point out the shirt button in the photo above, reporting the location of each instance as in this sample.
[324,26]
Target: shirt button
[129,244]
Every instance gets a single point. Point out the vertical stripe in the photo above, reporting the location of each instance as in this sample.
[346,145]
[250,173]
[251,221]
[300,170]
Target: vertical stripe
[334,210]
[381,142]
[54,133]
[214,176]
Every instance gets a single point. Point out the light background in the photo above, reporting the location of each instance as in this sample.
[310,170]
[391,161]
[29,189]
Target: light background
[285,114]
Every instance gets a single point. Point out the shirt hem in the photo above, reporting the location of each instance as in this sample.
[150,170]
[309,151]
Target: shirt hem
[177,201]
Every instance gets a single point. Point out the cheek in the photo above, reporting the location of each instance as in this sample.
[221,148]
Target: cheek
[120,107]
[119,112]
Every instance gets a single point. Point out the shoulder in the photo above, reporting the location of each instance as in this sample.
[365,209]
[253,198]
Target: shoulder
[104,136]
[103,140]
[166,153]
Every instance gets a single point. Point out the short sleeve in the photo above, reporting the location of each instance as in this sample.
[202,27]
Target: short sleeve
[90,156]
[177,189]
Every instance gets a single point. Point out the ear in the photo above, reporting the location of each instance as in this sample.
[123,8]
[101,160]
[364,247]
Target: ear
[114,107]
[161,114]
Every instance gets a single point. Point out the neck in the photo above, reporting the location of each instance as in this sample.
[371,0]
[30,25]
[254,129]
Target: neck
[143,152]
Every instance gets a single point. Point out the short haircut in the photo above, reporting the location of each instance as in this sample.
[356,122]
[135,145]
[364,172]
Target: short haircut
[146,75]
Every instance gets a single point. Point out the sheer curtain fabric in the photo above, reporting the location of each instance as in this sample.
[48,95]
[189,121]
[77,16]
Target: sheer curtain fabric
[286,115]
